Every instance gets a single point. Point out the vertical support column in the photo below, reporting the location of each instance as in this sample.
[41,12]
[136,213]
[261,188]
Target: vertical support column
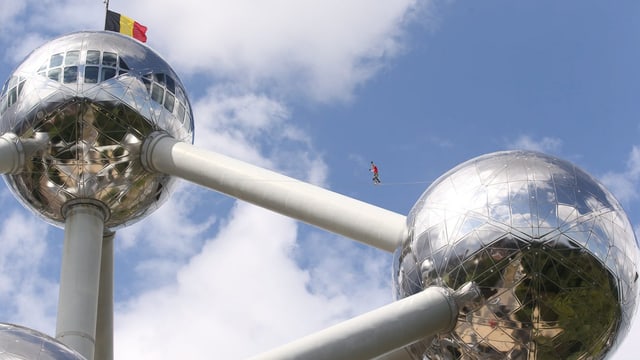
[80,275]
[104,329]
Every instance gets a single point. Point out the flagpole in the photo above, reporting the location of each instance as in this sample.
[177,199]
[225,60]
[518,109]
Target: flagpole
[106,12]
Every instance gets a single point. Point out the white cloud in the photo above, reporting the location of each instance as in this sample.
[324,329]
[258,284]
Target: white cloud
[624,185]
[28,297]
[9,9]
[242,294]
[320,49]
[546,144]
[25,25]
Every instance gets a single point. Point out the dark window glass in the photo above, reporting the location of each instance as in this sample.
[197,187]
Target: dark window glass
[93,57]
[56,60]
[54,74]
[122,72]
[180,94]
[169,100]
[181,113]
[109,59]
[171,84]
[72,57]
[147,84]
[20,87]
[12,81]
[108,73]
[123,65]
[91,74]
[70,74]
[159,78]
[157,93]
[13,96]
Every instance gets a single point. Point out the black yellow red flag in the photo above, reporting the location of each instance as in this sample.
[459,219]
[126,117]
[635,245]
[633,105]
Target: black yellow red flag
[125,25]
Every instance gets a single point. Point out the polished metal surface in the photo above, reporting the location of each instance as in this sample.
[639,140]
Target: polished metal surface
[550,249]
[95,96]
[17,342]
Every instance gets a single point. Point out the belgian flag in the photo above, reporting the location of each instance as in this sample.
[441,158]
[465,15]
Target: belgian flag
[125,25]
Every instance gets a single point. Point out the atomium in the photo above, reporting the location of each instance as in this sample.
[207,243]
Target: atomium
[551,250]
[20,343]
[90,99]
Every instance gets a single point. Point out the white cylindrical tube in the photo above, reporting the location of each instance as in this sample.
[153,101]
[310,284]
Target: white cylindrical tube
[378,332]
[104,326]
[312,204]
[80,276]
[11,153]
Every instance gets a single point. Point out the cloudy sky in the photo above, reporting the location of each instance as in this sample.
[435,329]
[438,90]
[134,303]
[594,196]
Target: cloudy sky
[316,90]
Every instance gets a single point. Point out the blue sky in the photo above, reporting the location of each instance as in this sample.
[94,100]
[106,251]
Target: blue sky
[316,90]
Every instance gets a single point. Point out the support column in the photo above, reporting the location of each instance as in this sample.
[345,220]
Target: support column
[104,327]
[80,275]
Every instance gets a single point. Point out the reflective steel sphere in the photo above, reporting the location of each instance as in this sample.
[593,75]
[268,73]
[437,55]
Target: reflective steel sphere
[93,98]
[551,250]
[17,342]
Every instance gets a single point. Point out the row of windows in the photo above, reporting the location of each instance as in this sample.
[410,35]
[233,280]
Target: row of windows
[91,74]
[68,68]
[163,90]
[12,88]
[92,57]
[98,66]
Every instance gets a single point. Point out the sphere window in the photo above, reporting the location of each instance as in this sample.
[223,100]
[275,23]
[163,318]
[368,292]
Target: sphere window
[72,57]
[109,59]
[54,74]
[123,65]
[157,93]
[108,73]
[93,57]
[13,87]
[169,101]
[91,74]
[56,60]
[70,74]
[181,112]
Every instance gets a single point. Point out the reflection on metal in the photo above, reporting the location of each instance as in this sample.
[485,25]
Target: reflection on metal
[95,96]
[550,249]
[17,342]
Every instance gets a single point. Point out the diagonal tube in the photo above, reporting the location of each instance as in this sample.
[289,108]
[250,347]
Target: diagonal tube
[311,204]
[382,331]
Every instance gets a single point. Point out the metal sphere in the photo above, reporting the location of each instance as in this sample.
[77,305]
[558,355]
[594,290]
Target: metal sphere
[17,342]
[94,97]
[551,250]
